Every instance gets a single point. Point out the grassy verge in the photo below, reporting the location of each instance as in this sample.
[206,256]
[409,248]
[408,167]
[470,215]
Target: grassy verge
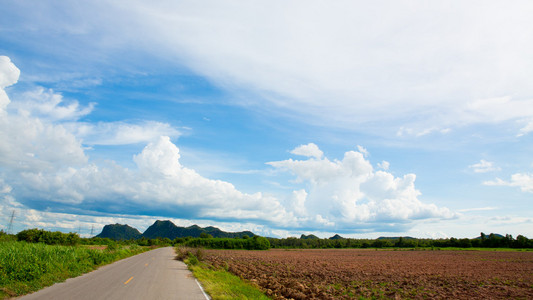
[218,283]
[27,267]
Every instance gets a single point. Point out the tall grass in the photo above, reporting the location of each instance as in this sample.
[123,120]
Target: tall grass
[27,267]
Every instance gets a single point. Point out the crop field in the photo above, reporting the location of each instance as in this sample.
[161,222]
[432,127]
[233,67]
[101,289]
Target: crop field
[358,273]
[27,267]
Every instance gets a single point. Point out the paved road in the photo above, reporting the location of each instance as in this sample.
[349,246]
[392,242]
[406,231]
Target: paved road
[151,275]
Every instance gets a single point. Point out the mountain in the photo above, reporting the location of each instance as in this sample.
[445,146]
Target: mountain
[119,232]
[167,229]
[309,237]
[496,235]
[396,238]
[336,237]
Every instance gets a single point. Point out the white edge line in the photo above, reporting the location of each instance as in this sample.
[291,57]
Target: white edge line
[202,289]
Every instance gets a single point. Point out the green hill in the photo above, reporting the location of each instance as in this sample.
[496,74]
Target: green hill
[309,237]
[167,229]
[336,237]
[119,232]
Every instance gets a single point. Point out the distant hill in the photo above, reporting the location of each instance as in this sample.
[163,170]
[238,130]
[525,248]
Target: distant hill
[336,237]
[396,238]
[119,232]
[309,237]
[488,235]
[166,229]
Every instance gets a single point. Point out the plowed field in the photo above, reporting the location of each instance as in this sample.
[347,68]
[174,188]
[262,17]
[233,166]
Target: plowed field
[351,273]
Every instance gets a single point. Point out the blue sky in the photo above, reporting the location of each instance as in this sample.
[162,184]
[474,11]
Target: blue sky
[389,118]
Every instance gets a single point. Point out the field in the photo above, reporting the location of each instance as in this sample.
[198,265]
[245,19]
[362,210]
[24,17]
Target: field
[357,273]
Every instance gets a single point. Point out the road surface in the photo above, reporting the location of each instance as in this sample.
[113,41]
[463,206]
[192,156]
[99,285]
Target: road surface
[151,275]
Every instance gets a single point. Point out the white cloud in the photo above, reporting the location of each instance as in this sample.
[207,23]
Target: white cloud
[522,180]
[43,164]
[526,129]
[440,65]
[362,150]
[9,75]
[380,65]
[46,104]
[122,133]
[350,194]
[478,209]
[385,165]
[484,166]
[309,150]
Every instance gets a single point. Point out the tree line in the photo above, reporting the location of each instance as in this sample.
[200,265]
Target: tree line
[484,241]
[204,241]
[262,243]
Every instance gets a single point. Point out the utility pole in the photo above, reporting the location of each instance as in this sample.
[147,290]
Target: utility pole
[92,229]
[10,226]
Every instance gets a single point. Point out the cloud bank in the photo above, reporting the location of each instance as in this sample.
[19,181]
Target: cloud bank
[350,194]
[44,167]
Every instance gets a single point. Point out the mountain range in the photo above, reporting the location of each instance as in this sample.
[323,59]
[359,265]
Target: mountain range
[165,229]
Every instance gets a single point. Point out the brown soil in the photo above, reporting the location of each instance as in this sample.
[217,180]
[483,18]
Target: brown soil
[354,273]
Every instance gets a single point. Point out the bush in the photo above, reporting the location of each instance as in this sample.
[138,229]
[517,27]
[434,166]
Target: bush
[50,238]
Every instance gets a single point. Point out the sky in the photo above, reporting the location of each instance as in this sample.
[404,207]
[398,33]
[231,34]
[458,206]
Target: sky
[366,119]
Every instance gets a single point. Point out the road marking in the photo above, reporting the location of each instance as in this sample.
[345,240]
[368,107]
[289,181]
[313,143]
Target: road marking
[128,280]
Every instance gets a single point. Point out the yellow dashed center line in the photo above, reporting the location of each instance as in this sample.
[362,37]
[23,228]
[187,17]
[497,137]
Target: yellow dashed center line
[128,280]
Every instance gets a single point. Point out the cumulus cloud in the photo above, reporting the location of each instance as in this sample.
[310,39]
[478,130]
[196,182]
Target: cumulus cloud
[9,75]
[484,166]
[349,193]
[522,180]
[46,104]
[309,150]
[43,166]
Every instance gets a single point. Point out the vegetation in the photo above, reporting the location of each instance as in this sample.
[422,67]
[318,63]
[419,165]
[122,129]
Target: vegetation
[255,243]
[27,267]
[484,241]
[167,229]
[119,232]
[218,282]
[50,238]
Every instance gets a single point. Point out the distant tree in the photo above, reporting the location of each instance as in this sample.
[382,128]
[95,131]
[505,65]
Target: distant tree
[204,235]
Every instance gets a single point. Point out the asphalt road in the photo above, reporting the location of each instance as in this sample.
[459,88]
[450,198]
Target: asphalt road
[151,275]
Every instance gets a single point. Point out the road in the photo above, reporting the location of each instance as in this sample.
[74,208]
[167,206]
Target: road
[151,275]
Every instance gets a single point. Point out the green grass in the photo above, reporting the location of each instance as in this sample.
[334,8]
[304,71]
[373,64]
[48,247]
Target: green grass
[27,267]
[219,283]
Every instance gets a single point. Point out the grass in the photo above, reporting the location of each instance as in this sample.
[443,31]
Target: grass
[218,283]
[27,267]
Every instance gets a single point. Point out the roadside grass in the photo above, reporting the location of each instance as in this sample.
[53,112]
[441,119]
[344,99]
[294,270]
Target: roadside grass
[218,283]
[28,267]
